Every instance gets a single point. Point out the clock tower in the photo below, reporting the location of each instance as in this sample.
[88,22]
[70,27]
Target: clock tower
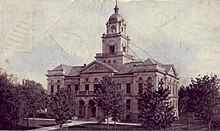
[115,42]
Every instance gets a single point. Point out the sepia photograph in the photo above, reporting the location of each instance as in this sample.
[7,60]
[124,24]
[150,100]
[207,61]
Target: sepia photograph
[110,65]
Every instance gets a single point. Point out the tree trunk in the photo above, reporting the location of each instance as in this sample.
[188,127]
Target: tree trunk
[66,126]
[107,123]
[188,120]
[34,118]
[27,121]
[209,124]
[61,128]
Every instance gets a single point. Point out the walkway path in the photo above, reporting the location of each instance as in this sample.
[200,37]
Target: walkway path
[72,123]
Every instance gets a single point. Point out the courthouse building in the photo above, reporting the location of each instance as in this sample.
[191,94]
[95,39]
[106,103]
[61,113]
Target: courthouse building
[115,60]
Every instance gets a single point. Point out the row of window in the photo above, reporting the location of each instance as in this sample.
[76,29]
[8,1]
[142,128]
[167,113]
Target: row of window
[128,87]
[173,89]
[52,88]
[149,79]
[109,61]
[113,28]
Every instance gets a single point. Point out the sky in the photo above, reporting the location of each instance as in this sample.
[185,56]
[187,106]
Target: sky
[38,35]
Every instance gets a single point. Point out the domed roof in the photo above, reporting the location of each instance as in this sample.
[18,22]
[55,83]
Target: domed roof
[116,17]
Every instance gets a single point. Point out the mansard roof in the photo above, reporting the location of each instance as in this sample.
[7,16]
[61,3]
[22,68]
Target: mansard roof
[151,61]
[128,68]
[65,68]
[75,71]
[146,66]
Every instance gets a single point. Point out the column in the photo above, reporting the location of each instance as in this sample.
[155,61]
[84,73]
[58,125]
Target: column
[86,111]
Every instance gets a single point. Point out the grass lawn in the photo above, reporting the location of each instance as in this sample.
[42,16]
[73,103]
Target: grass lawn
[35,124]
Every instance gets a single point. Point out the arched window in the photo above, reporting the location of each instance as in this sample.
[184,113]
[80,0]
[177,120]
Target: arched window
[149,82]
[96,79]
[160,83]
[114,61]
[104,61]
[113,28]
[111,49]
[109,61]
[140,79]
[124,49]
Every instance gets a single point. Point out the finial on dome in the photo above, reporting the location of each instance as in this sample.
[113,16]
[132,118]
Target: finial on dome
[116,6]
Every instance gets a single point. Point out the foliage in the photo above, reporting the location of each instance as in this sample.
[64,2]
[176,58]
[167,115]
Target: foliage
[155,110]
[63,105]
[9,101]
[110,99]
[34,98]
[16,102]
[200,97]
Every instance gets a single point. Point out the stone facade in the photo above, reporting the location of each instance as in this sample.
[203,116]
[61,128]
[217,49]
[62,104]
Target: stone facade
[115,60]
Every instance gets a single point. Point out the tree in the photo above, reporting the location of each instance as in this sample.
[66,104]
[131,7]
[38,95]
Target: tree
[200,98]
[155,110]
[34,98]
[110,99]
[63,105]
[9,101]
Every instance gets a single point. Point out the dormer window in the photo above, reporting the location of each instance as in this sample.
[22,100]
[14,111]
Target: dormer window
[111,49]
[113,28]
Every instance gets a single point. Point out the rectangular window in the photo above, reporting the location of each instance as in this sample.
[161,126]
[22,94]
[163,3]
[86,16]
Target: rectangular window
[58,87]
[139,102]
[52,89]
[128,87]
[128,104]
[112,49]
[124,49]
[140,88]
[76,88]
[87,87]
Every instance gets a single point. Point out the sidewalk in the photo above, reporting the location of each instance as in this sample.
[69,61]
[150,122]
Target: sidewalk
[73,123]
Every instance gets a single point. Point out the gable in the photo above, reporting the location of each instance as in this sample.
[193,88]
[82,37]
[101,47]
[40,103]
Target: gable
[172,71]
[96,67]
[148,62]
